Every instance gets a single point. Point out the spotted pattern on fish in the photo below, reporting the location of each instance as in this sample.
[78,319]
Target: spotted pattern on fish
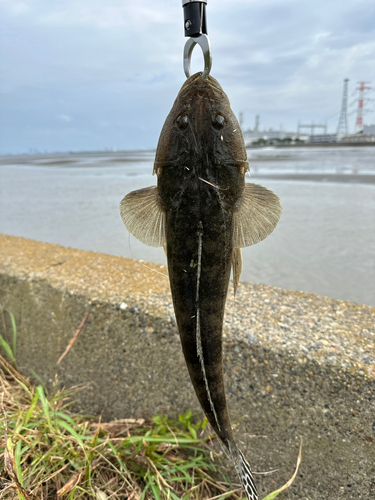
[247,478]
[203,212]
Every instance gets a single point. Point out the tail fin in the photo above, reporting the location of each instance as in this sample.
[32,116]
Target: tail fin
[247,478]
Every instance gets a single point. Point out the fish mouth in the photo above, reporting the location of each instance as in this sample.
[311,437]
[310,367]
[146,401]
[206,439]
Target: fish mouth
[197,79]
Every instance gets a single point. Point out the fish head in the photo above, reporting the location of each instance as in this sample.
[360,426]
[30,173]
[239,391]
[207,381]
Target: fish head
[200,123]
[201,136]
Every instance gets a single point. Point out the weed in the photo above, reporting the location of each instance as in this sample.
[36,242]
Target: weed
[48,451]
[9,351]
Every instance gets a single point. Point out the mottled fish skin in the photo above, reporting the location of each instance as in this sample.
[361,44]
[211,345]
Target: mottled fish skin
[200,180]
[201,162]
[202,212]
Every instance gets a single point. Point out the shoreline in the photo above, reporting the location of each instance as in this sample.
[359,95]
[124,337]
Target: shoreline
[317,145]
[339,178]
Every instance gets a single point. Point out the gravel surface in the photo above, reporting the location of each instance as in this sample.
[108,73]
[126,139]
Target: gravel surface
[296,364]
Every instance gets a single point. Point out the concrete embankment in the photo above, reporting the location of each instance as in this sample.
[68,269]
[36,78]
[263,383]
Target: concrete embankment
[296,364]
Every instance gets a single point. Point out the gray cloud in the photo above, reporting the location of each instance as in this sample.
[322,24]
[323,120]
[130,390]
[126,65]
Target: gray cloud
[115,67]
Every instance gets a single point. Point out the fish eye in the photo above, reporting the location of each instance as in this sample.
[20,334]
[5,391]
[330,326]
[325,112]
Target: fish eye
[182,122]
[218,122]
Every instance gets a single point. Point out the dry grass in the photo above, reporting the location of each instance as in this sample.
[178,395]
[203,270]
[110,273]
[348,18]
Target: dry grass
[48,452]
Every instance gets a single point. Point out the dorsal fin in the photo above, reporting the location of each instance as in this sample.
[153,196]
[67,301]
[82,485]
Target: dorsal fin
[256,216]
[144,216]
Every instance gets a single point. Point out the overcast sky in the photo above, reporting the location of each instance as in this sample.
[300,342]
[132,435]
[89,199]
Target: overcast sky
[96,74]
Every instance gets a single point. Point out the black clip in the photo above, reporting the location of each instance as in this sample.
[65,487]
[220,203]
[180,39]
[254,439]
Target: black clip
[195,21]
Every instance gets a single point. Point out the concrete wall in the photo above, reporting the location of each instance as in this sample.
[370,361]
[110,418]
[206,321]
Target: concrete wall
[295,364]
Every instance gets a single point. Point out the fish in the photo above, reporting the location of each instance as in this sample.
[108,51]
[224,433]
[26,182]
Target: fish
[203,212]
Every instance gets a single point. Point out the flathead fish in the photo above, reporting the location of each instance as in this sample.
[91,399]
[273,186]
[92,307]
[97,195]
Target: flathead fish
[202,212]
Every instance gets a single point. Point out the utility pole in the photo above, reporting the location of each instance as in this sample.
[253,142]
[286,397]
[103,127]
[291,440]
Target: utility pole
[342,127]
[241,120]
[361,100]
[256,128]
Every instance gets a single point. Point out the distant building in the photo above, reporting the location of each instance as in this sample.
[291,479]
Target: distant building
[322,139]
[359,138]
[253,135]
[363,136]
[368,130]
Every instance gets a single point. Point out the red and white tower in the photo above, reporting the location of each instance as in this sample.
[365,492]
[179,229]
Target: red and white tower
[361,102]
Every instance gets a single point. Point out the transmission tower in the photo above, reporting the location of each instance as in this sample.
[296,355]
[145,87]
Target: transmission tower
[342,128]
[361,100]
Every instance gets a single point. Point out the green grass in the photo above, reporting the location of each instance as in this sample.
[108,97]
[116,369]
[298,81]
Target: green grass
[10,351]
[49,452]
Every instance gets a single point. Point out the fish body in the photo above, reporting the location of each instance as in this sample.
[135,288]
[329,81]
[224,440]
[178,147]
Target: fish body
[202,212]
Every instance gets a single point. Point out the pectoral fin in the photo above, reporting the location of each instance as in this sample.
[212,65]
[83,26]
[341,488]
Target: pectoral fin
[144,216]
[256,216]
[236,266]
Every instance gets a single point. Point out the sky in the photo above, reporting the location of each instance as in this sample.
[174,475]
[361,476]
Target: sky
[103,74]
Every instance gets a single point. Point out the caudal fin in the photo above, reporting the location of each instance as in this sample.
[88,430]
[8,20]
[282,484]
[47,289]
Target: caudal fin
[247,478]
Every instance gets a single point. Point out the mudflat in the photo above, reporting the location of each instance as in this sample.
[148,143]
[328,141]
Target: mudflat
[346,178]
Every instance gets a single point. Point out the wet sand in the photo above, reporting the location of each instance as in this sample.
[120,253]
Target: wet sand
[347,178]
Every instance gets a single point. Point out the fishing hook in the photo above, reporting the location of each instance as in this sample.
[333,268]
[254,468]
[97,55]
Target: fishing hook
[195,24]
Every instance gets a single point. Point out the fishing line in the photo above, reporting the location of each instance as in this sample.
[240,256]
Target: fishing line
[142,264]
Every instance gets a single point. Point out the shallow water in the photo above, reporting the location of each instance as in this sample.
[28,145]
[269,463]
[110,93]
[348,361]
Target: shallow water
[324,243]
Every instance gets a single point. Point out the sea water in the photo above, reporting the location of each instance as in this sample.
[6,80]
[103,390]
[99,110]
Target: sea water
[324,242]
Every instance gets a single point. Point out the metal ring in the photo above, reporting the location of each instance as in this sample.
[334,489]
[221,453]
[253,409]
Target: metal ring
[205,45]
